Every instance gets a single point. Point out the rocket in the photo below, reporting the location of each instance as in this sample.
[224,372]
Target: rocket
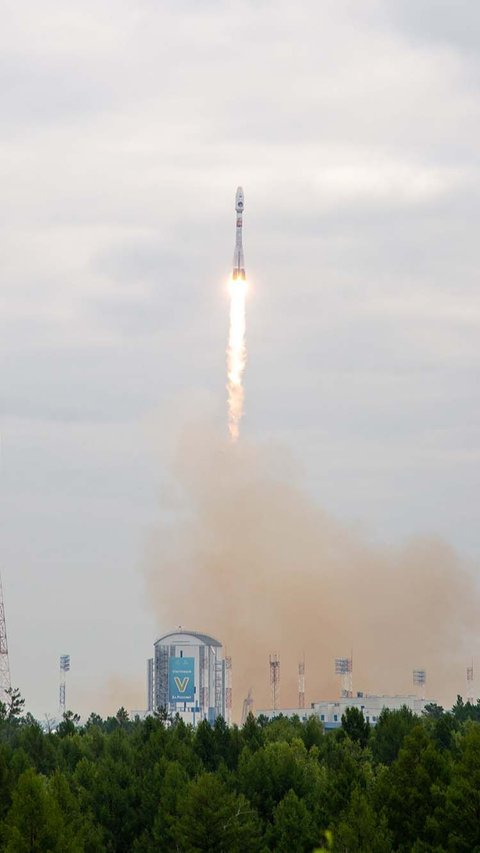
[238,259]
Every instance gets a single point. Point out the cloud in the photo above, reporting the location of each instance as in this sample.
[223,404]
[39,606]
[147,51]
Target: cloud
[453,24]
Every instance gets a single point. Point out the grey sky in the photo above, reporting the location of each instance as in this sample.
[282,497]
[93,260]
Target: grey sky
[125,129]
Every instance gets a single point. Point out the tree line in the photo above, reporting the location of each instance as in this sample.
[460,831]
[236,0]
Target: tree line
[138,786]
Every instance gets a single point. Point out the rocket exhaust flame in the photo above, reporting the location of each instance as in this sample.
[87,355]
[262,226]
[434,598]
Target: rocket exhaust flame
[236,356]
[236,351]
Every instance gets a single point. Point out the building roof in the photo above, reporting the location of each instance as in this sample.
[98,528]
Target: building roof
[203,638]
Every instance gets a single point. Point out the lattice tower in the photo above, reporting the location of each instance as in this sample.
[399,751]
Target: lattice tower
[275,679]
[419,681]
[301,684]
[470,683]
[228,688]
[5,681]
[344,667]
[64,668]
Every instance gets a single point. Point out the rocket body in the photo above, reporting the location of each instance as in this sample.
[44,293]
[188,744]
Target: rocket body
[238,259]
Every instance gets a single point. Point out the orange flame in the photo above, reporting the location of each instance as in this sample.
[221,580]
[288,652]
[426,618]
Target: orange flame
[236,356]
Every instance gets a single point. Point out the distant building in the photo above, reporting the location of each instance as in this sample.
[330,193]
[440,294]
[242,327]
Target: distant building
[189,675]
[330,713]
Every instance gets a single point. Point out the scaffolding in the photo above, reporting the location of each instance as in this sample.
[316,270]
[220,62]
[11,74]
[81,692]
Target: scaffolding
[275,679]
[160,679]
[219,687]
[204,655]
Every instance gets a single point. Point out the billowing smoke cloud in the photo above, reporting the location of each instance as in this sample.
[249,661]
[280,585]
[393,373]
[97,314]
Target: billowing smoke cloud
[244,553]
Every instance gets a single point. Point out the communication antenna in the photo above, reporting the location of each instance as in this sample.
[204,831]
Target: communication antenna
[419,681]
[344,667]
[301,683]
[64,668]
[275,679]
[5,681]
[470,683]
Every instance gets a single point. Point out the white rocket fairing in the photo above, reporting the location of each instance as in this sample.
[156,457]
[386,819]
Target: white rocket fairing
[238,259]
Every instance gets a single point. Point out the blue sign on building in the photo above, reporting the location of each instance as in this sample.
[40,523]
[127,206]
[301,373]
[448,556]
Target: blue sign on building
[181,680]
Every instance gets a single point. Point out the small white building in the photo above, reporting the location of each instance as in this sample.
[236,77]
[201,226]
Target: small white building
[330,713]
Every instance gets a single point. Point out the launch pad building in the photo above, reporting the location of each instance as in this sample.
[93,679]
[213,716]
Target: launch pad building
[190,676]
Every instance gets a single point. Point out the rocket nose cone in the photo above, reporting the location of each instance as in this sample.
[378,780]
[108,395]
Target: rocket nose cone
[239,199]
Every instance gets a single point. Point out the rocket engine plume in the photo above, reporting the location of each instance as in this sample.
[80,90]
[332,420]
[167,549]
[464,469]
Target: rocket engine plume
[236,356]
[236,351]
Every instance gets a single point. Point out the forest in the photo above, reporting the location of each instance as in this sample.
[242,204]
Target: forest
[117,784]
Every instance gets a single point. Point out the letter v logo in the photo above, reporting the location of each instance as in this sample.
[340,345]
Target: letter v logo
[181,683]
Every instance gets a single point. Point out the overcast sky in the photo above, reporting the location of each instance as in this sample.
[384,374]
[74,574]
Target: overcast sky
[126,126]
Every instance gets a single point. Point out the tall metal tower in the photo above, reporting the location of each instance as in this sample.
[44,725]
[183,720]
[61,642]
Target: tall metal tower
[228,689]
[419,681]
[150,686]
[275,679]
[470,683]
[301,684]
[344,667]
[64,668]
[5,682]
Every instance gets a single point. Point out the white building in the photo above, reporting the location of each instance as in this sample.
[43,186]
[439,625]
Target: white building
[330,713]
[190,676]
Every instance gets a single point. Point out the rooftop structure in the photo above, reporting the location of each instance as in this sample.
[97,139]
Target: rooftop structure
[330,712]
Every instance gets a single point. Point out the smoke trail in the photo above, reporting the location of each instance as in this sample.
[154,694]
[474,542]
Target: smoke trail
[245,554]
[236,356]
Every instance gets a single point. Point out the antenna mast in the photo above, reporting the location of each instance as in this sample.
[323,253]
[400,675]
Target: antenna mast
[64,668]
[301,684]
[274,678]
[419,681]
[5,682]
[470,683]
[344,667]
[228,689]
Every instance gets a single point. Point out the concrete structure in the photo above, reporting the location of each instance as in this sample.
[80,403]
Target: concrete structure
[190,676]
[330,713]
